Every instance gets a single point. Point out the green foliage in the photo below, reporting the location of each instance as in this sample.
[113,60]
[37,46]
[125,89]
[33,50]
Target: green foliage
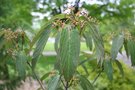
[69,52]
[120,67]
[108,69]
[85,84]
[16,11]
[67,46]
[88,39]
[68,30]
[67,43]
[125,82]
[131,47]
[53,82]
[118,82]
[40,46]
[21,62]
[13,57]
[116,45]
[98,43]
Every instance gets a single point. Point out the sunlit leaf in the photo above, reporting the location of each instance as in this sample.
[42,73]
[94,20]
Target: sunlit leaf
[116,45]
[45,76]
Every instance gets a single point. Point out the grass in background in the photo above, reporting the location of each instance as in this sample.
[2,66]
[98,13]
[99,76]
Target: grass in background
[50,46]
[45,64]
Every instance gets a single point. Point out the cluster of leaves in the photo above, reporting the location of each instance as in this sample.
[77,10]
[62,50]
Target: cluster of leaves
[122,41]
[67,45]
[13,57]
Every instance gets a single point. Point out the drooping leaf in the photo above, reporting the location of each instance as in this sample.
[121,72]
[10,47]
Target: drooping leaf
[108,69]
[88,39]
[98,42]
[54,83]
[116,45]
[85,83]
[126,47]
[69,52]
[120,67]
[97,39]
[40,46]
[131,48]
[21,62]
[120,50]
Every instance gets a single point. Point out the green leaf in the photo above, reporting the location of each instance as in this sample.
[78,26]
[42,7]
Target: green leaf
[54,83]
[59,2]
[131,48]
[40,46]
[57,40]
[85,83]
[108,69]
[88,39]
[69,52]
[86,60]
[56,46]
[85,69]
[98,42]
[116,45]
[126,47]
[97,39]
[120,67]
[45,76]
[21,61]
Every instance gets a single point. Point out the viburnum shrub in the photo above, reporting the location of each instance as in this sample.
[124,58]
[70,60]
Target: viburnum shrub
[69,30]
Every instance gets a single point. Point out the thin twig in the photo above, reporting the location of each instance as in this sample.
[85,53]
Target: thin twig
[71,82]
[97,76]
[67,86]
[62,82]
[40,83]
